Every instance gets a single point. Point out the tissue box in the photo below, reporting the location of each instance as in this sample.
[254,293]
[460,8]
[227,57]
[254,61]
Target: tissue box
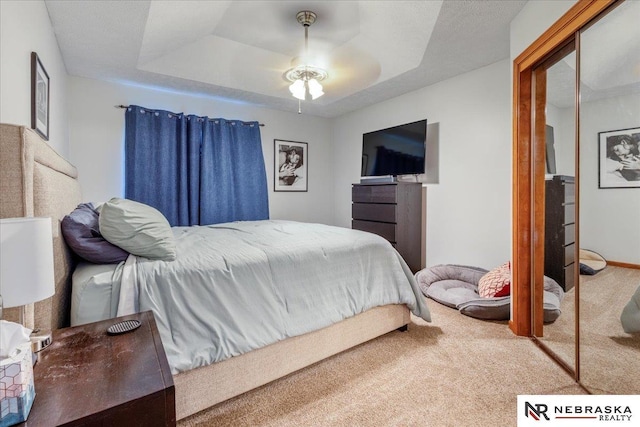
[16,386]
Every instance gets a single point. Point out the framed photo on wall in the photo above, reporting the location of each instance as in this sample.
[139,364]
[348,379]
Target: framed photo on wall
[290,166]
[619,158]
[39,97]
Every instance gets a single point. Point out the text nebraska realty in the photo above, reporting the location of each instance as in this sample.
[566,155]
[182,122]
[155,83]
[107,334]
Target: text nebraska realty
[601,413]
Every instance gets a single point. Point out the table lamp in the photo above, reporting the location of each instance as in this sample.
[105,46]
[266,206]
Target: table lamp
[26,267]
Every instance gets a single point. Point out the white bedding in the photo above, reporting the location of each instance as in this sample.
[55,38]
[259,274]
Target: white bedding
[239,286]
[95,292]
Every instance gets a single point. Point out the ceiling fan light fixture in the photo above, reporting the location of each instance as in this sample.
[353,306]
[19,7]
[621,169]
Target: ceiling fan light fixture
[297,89]
[315,89]
[305,78]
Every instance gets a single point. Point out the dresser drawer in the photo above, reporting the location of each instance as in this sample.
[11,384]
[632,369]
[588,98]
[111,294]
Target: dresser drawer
[388,231]
[569,277]
[569,213]
[374,212]
[569,234]
[569,192]
[374,194]
[569,254]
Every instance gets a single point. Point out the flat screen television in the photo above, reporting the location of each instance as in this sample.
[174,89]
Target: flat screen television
[399,150]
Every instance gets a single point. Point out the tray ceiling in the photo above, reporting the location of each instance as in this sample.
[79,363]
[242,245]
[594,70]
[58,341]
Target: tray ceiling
[238,50]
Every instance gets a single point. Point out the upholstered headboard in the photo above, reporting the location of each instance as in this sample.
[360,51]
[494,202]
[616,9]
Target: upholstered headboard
[35,181]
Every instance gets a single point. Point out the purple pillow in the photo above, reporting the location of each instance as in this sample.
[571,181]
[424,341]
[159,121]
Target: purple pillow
[81,232]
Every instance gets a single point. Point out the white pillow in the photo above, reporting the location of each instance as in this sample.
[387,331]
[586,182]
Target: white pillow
[138,229]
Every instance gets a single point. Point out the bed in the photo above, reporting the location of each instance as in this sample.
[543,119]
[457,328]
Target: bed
[36,181]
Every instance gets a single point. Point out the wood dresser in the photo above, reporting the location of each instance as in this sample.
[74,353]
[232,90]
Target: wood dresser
[89,378]
[560,230]
[393,211]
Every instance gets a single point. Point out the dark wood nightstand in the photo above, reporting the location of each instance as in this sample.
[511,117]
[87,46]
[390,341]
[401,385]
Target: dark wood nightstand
[89,378]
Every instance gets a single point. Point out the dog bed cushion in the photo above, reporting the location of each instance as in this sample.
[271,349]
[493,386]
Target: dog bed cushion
[456,286]
[550,306]
[495,308]
[591,262]
[452,292]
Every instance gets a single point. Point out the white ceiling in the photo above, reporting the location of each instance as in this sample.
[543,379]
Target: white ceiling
[609,60]
[238,50]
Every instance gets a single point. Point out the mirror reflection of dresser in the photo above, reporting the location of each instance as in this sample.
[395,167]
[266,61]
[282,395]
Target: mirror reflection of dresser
[560,230]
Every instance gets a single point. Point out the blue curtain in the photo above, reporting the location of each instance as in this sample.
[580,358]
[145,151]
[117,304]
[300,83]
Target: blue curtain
[195,170]
[232,169]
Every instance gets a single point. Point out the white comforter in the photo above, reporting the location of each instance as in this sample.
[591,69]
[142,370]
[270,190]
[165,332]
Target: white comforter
[239,286]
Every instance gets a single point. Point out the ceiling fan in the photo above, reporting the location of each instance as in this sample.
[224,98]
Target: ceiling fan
[305,76]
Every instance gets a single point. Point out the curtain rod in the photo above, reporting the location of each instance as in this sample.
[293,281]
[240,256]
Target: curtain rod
[126,106]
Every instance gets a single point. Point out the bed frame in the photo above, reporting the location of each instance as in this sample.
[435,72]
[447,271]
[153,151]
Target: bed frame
[36,181]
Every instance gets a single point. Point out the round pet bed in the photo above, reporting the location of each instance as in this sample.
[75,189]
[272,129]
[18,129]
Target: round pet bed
[456,286]
[591,262]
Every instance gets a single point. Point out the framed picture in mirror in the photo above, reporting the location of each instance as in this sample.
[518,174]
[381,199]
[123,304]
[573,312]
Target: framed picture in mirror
[550,152]
[619,158]
[39,97]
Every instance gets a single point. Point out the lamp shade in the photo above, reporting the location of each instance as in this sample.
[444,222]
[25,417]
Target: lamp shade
[297,89]
[315,89]
[26,261]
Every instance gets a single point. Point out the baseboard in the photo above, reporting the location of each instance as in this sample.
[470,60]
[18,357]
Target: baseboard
[623,264]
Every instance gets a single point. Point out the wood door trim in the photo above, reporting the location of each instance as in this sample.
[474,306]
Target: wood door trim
[577,17]
[520,322]
[538,170]
[524,225]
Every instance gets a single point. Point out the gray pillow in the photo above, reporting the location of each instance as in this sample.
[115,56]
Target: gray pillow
[81,231]
[137,228]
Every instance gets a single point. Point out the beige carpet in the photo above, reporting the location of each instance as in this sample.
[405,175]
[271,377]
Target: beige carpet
[455,371]
[609,357]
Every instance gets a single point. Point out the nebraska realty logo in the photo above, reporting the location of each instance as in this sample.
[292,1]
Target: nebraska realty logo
[577,410]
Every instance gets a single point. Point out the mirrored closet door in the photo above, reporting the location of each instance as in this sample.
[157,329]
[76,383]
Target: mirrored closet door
[558,333]
[598,42]
[610,197]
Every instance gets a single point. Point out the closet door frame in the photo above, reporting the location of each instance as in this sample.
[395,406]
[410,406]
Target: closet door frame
[527,221]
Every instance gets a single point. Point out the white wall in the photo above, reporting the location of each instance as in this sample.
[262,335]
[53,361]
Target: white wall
[609,218]
[533,20]
[97,142]
[24,28]
[468,211]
